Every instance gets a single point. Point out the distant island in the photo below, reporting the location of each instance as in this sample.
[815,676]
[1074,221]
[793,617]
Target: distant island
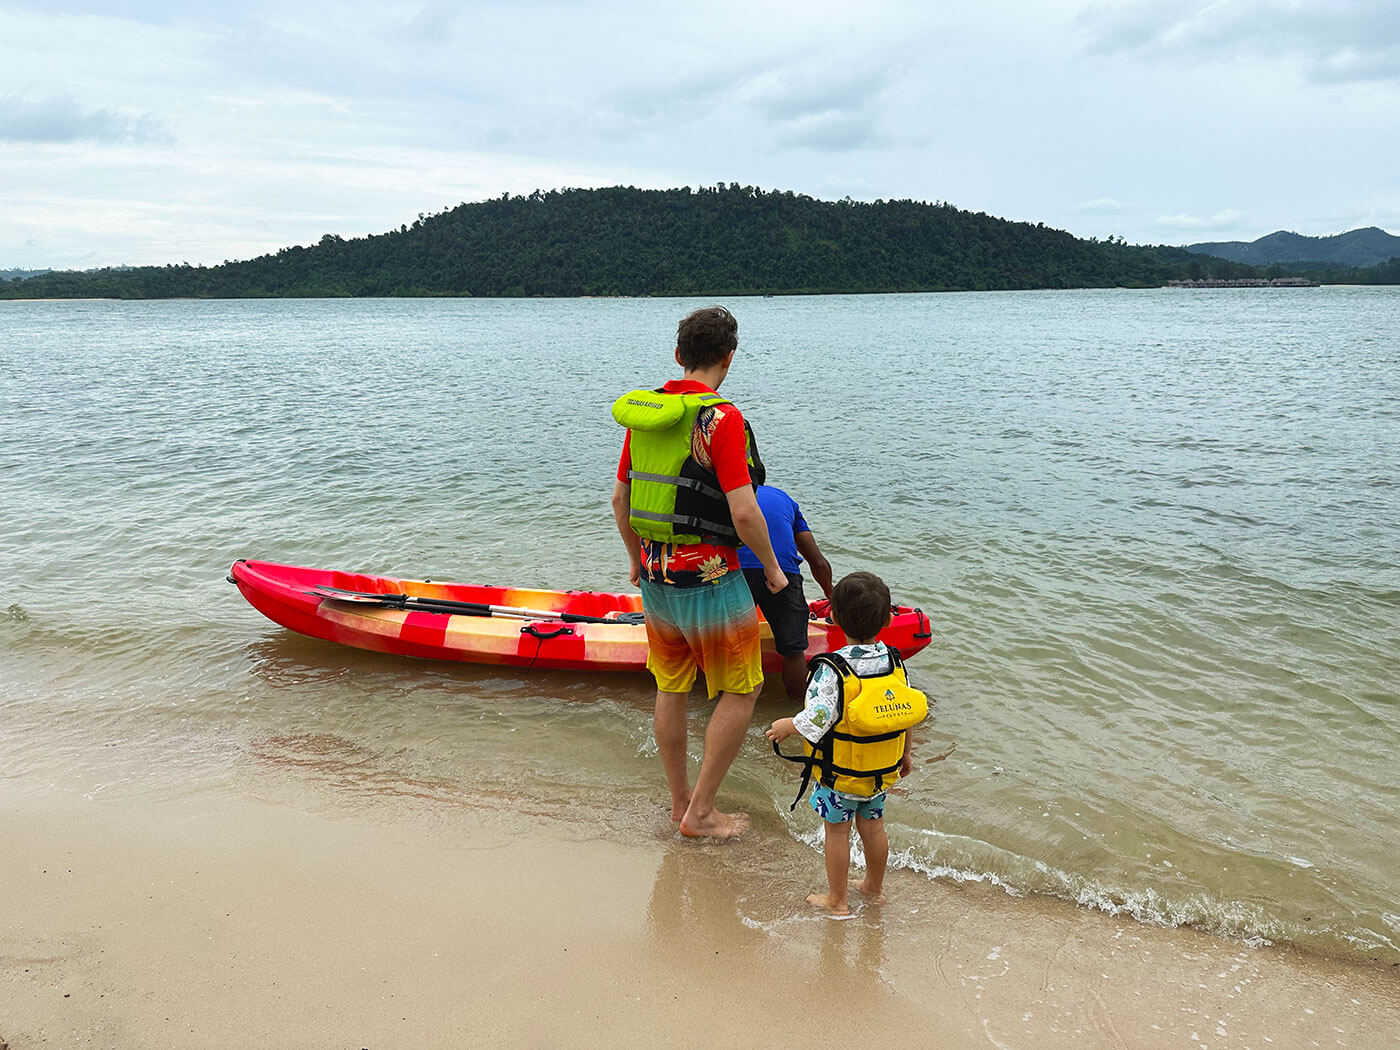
[1357,248]
[713,241]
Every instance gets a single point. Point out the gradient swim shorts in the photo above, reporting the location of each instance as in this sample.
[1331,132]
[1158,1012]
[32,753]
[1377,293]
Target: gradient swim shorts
[712,628]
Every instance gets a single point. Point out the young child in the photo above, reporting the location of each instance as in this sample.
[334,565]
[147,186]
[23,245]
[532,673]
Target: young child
[859,708]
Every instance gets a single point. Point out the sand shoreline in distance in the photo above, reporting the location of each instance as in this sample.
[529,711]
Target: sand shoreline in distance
[218,920]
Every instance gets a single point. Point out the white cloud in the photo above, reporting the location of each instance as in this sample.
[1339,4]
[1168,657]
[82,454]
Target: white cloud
[1340,41]
[61,118]
[1228,219]
[1104,206]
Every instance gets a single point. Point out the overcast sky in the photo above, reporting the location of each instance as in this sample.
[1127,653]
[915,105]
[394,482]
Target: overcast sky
[176,130]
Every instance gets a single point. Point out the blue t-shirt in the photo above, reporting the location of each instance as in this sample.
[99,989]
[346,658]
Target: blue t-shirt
[785,521]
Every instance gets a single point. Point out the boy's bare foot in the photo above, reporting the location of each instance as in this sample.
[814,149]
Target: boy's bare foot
[877,896]
[716,825]
[823,900]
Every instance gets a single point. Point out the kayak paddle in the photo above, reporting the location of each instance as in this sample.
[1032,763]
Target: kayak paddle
[448,607]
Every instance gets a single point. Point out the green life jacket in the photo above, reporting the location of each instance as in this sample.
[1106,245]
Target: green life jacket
[673,498]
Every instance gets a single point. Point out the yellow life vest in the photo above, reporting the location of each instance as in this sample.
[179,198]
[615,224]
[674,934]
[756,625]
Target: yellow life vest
[862,752]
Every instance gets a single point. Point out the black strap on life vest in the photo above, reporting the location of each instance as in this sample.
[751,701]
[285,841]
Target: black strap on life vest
[820,758]
[700,505]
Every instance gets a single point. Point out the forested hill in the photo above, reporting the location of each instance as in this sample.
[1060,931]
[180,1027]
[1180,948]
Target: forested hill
[1365,247]
[720,240]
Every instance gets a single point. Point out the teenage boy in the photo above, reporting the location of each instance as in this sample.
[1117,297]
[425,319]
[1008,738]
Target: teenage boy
[683,502]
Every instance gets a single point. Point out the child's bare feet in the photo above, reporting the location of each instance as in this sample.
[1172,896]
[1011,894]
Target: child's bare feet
[678,808]
[876,895]
[823,900]
[715,825]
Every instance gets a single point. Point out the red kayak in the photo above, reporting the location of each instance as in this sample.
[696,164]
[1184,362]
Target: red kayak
[568,630]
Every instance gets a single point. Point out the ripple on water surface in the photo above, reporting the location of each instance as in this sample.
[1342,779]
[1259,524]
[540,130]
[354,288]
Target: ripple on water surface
[1156,534]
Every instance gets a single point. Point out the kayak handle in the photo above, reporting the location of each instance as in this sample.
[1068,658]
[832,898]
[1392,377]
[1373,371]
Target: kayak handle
[544,633]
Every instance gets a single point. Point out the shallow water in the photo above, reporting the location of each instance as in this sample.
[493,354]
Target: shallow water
[1156,531]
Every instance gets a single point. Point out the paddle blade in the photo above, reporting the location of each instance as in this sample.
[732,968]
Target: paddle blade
[340,594]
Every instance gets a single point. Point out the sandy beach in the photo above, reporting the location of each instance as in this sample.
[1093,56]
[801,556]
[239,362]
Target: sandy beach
[288,920]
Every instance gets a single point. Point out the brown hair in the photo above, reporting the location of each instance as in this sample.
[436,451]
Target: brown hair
[860,605]
[706,336]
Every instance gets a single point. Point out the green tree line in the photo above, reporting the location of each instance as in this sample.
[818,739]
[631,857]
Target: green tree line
[720,240]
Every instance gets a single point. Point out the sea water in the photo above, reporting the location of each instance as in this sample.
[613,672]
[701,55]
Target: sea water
[1158,534]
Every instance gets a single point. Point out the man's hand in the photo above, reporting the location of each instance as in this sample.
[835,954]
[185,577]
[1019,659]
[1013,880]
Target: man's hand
[622,512]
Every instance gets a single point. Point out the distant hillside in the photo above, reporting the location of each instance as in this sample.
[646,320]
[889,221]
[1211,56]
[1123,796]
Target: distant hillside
[1365,247]
[19,275]
[722,240]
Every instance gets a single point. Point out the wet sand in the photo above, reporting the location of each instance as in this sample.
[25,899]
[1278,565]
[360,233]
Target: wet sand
[221,919]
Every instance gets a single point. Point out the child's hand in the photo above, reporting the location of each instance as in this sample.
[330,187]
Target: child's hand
[906,765]
[780,730]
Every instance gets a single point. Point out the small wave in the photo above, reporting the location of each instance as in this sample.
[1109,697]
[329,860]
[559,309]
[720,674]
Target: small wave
[780,924]
[1247,922]
[909,859]
[347,766]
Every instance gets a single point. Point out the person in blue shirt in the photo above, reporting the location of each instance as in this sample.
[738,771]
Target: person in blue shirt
[787,612]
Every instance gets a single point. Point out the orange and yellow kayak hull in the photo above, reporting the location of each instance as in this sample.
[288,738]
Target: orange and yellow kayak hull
[285,595]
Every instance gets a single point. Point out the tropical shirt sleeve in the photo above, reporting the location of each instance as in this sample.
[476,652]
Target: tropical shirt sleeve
[728,453]
[624,463]
[822,703]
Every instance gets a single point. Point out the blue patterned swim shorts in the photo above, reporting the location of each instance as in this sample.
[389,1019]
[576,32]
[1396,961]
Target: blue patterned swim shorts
[838,809]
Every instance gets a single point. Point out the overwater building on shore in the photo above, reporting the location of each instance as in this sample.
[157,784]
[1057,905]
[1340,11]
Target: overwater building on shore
[1246,282]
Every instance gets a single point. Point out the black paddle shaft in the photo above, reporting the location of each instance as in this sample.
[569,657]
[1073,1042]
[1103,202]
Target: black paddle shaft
[448,607]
